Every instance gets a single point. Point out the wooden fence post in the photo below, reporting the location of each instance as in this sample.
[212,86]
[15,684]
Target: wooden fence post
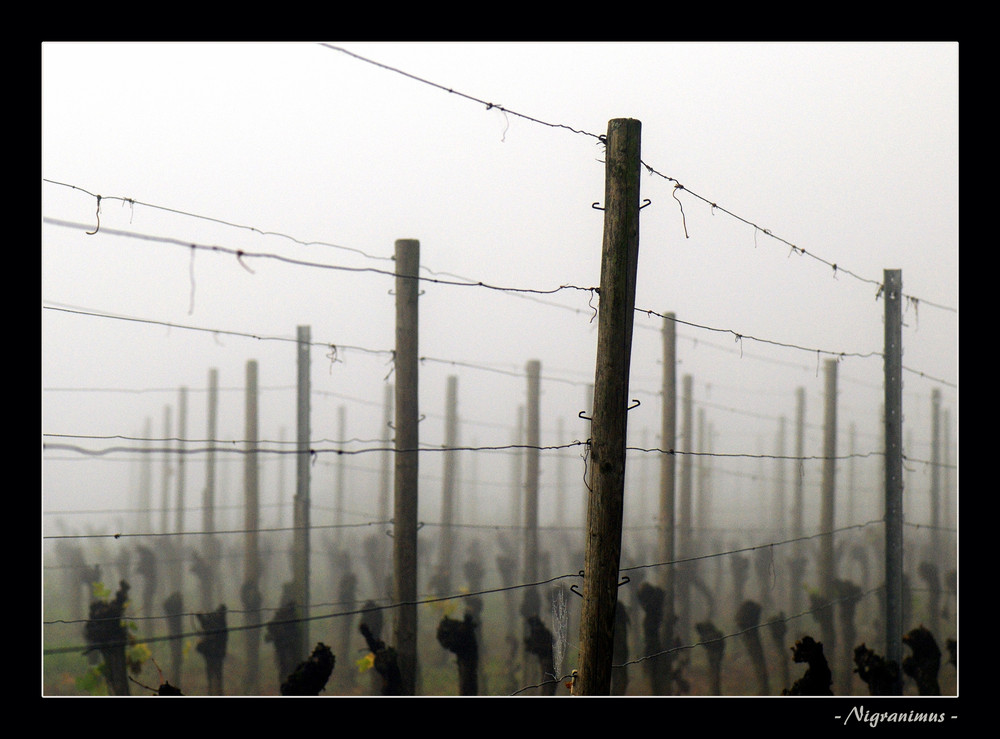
[827,563]
[620,255]
[404,540]
[893,352]
[303,460]
[250,593]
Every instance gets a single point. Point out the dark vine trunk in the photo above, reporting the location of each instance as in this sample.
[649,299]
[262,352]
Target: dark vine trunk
[538,642]
[213,647]
[386,663]
[817,679]
[658,668]
[173,607]
[106,633]
[777,628]
[925,662]
[747,621]
[311,676]
[713,641]
[459,637]
[847,594]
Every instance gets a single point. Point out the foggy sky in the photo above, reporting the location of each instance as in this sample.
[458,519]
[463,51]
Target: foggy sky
[849,152]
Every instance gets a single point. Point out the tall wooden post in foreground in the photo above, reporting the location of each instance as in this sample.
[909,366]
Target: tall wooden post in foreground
[893,352]
[620,256]
[404,541]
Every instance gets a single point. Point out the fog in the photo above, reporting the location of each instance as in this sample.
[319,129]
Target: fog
[247,189]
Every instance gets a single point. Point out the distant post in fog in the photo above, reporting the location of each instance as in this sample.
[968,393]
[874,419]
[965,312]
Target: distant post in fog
[935,470]
[250,596]
[302,480]
[532,601]
[780,503]
[181,479]
[165,488]
[684,508]
[668,477]
[447,544]
[798,562]
[177,571]
[146,481]
[210,548]
[251,515]
[385,479]
[827,562]
[340,502]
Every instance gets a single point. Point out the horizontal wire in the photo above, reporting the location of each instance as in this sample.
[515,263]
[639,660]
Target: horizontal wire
[740,337]
[433,448]
[242,254]
[489,106]
[322,617]
[334,347]
[212,219]
[677,185]
[470,281]
[133,202]
[460,596]
[214,331]
[218,532]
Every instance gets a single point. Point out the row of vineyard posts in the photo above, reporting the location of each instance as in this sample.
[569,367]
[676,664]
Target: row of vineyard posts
[601,625]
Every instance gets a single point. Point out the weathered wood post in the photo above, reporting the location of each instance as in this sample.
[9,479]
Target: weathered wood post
[179,513]
[165,482]
[145,520]
[619,260]
[798,558]
[210,544]
[893,352]
[407,461]
[446,548]
[249,593]
[827,562]
[682,587]
[341,497]
[532,600]
[303,461]
[668,477]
